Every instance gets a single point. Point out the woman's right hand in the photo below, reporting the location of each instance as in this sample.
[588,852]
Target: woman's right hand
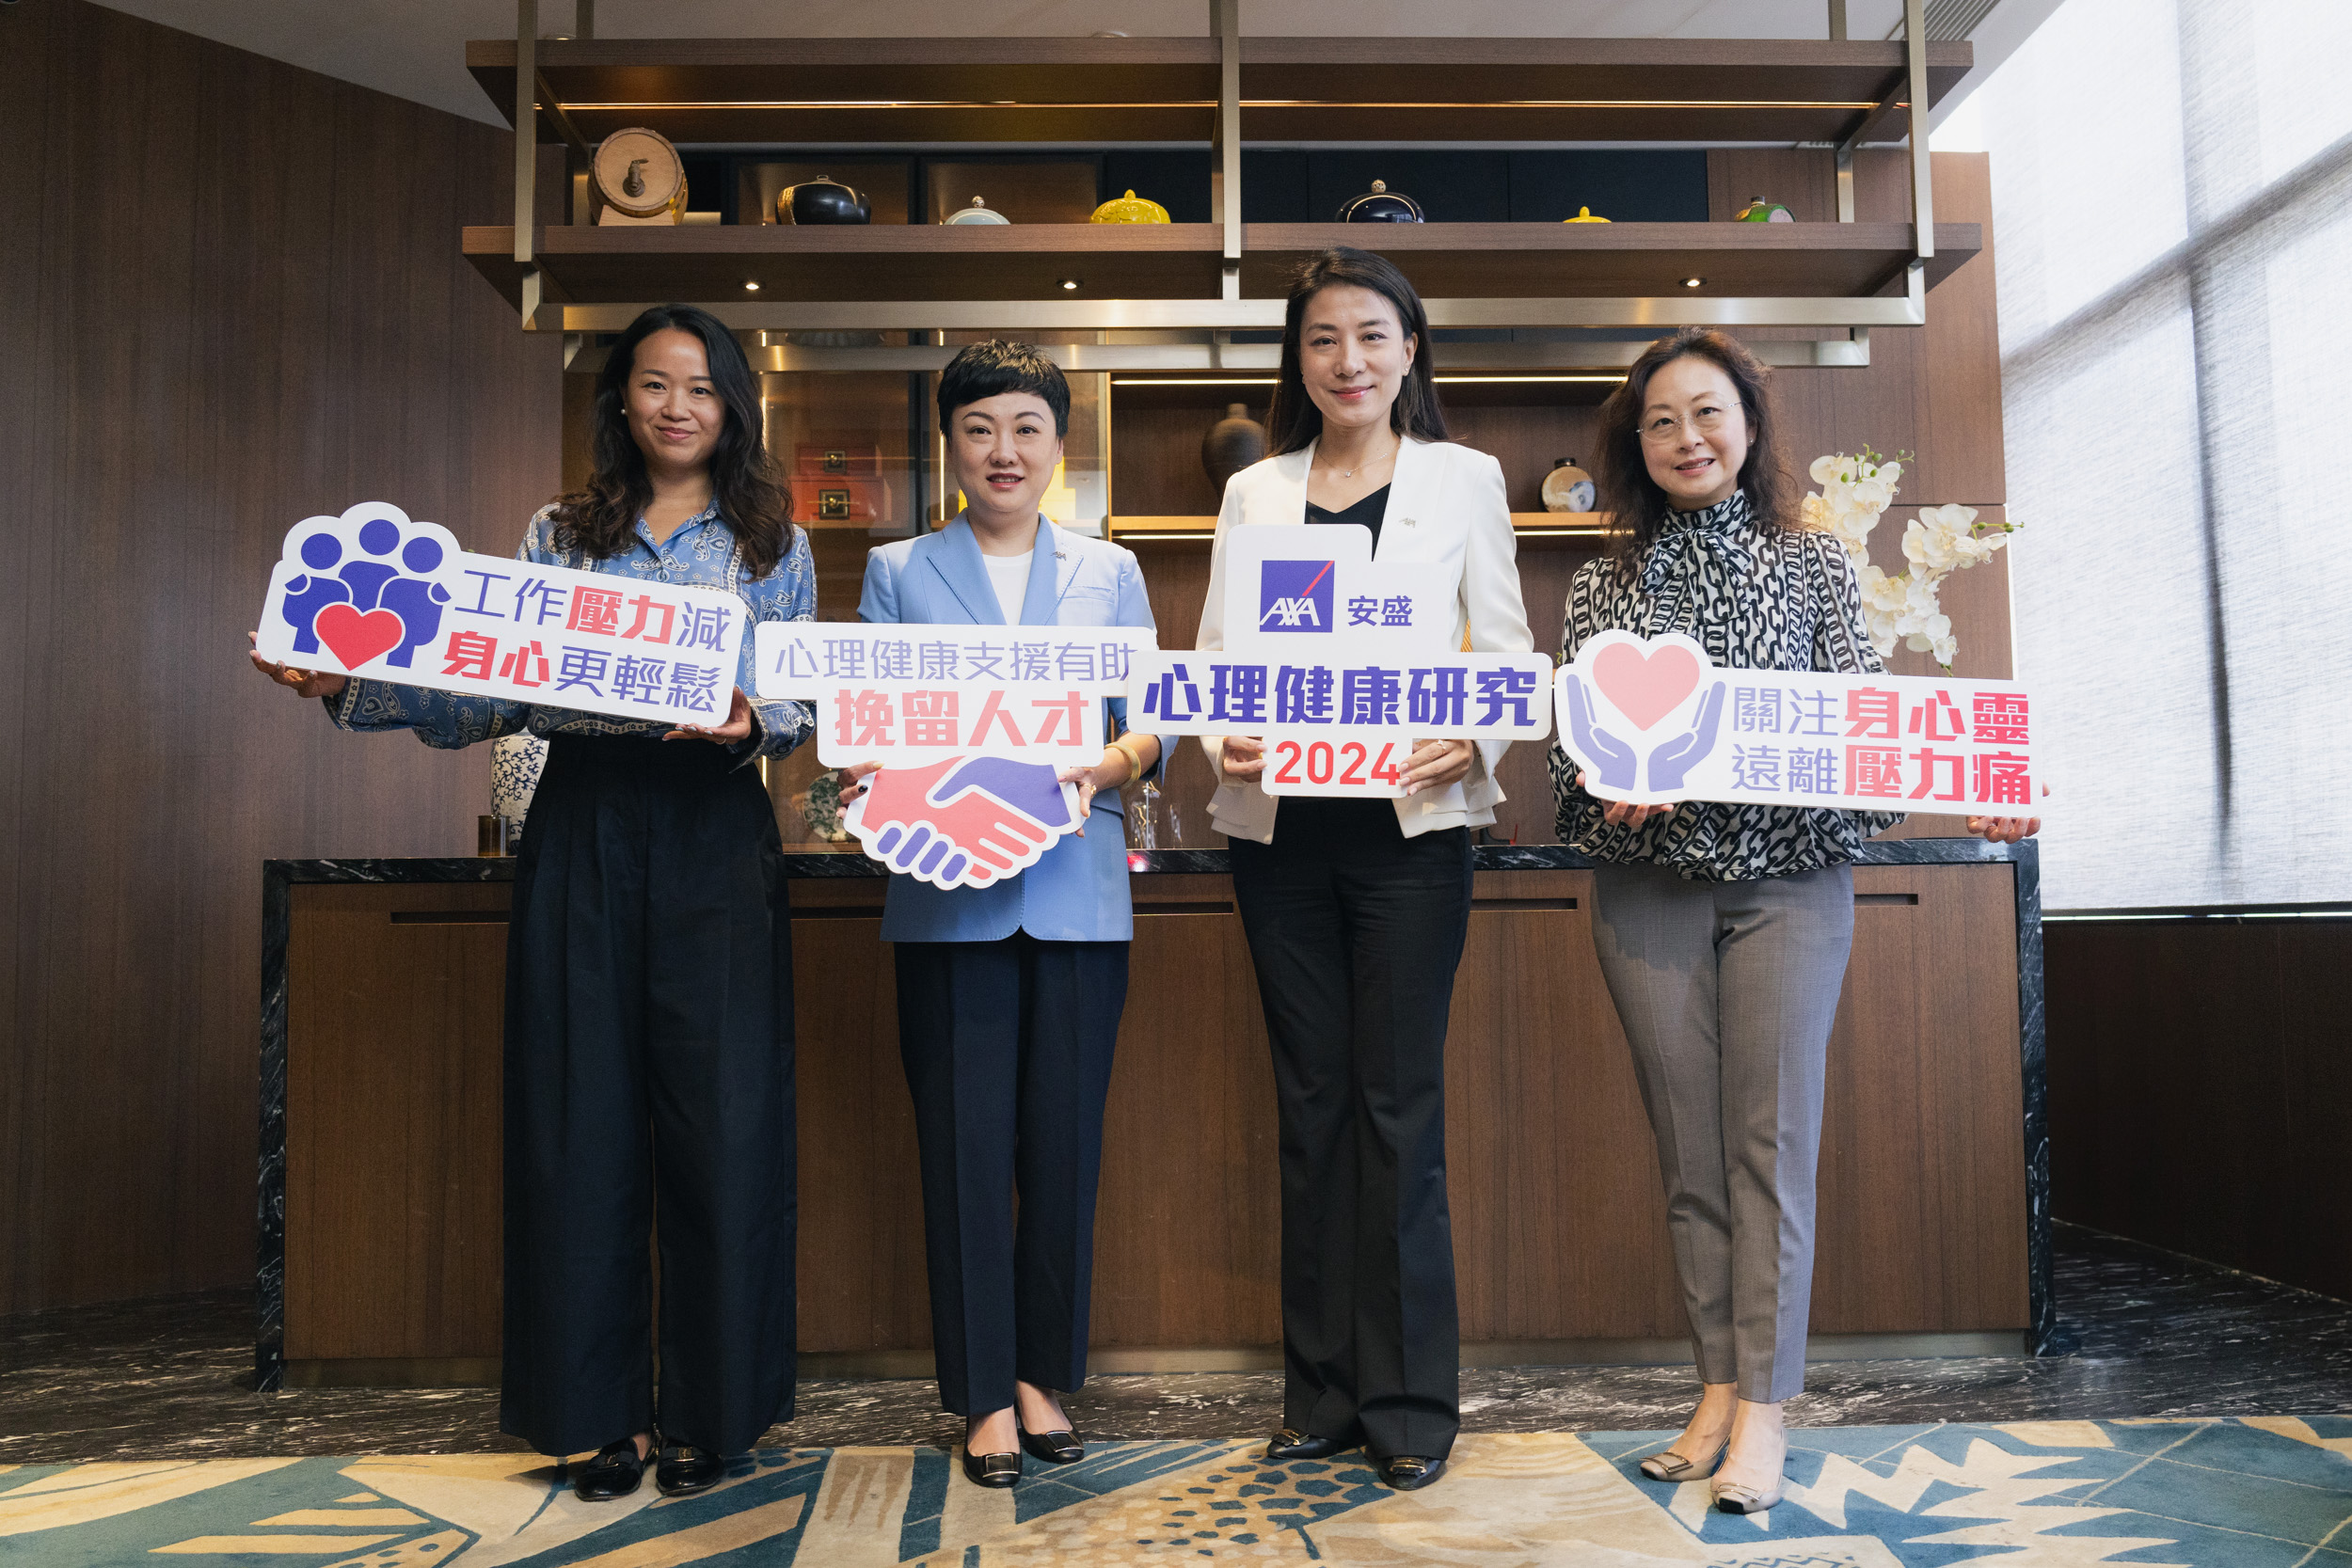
[854,779]
[306,683]
[1242,756]
[1630,813]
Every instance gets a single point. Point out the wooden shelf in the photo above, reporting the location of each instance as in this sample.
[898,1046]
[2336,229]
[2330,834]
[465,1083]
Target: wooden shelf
[1533,261]
[1164,89]
[865,261]
[1025,261]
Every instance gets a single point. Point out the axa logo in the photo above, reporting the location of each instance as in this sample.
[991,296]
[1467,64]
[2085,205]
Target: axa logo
[1294,595]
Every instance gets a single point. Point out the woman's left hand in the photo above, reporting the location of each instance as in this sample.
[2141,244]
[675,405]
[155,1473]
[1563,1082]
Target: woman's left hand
[1436,763]
[1109,773]
[736,728]
[2007,830]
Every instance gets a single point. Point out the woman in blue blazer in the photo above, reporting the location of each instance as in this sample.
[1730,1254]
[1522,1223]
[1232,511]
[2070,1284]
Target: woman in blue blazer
[1009,995]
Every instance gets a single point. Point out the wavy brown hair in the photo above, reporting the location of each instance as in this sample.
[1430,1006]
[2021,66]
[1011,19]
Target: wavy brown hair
[755,502]
[1637,507]
[1293,420]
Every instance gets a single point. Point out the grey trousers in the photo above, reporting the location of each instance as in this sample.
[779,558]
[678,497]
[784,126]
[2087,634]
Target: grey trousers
[1726,990]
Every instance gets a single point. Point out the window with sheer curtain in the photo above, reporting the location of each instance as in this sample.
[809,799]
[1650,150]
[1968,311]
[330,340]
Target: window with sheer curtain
[2172,207]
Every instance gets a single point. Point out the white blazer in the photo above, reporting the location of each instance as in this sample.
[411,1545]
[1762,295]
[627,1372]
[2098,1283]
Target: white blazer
[1446,512]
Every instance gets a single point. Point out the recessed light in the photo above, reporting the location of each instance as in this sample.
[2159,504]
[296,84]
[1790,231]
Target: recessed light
[1069,283]
[1693,282]
[751,285]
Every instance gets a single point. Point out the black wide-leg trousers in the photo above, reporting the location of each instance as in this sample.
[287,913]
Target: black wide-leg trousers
[1356,931]
[648,1074]
[1007,1049]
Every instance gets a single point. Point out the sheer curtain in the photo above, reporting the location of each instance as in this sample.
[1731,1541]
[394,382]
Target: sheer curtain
[2172,207]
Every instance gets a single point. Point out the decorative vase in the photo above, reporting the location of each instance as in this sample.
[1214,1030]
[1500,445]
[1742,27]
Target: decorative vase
[1130,208]
[515,761]
[1762,211]
[1380,205]
[1567,488]
[822,202]
[978,212]
[1584,214]
[1233,444]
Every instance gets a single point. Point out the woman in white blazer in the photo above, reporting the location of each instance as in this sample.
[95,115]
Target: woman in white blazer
[1356,908]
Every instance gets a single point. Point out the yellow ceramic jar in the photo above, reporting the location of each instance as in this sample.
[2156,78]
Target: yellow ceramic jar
[1584,214]
[1130,208]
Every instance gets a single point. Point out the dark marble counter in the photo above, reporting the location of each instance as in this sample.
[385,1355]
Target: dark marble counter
[2045,1335]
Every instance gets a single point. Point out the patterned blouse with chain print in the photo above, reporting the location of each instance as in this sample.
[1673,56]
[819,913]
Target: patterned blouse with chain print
[1755,598]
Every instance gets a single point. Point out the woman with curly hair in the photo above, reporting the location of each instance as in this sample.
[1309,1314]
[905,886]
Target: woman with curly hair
[649,963]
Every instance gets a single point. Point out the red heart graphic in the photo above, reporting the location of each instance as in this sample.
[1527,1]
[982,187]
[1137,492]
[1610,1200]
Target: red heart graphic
[1645,689]
[354,638]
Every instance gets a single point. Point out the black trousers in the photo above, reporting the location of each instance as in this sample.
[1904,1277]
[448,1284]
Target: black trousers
[1007,1049]
[1356,931]
[648,1051]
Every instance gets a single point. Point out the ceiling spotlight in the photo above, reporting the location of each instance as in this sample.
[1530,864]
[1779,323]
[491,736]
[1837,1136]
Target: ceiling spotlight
[751,285]
[1693,282]
[1069,283]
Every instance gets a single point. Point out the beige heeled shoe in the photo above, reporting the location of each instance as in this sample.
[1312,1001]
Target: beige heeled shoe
[1670,1466]
[1740,1498]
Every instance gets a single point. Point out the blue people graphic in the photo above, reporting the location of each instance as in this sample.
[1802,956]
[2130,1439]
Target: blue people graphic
[308,594]
[1615,760]
[378,536]
[416,600]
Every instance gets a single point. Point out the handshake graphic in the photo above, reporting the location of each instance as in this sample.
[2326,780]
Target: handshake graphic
[964,822]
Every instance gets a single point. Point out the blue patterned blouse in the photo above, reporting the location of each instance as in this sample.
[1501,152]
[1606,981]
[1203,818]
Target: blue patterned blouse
[702,552]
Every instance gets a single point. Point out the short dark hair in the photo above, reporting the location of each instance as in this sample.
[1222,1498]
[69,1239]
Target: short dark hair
[1637,507]
[988,370]
[1294,420]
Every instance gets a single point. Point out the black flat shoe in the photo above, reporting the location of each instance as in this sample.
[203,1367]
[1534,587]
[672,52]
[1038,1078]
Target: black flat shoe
[613,1473]
[992,1469]
[1409,1472]
[1055,1448]
[686,1470]
[1290,1443]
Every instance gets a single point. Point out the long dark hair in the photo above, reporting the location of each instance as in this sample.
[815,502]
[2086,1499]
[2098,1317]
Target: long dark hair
[1637,507]
[755,502]
[1294,420]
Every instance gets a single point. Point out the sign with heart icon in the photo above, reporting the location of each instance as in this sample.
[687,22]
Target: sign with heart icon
[1654,719]
[374,593]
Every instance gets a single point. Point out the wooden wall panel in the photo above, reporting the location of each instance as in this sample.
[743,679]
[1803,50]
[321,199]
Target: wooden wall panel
[236,301]
[393,1127]
[2200,1091]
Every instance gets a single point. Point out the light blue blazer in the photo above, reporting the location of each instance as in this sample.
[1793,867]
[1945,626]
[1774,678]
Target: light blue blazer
[1078,891]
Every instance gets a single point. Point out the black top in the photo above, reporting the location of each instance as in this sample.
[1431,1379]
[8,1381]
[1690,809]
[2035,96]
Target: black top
[1366,511]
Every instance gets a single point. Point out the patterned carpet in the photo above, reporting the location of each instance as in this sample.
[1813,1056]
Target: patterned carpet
[2256,1490]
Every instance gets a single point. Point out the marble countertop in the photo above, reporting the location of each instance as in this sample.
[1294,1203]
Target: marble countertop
[1490,857]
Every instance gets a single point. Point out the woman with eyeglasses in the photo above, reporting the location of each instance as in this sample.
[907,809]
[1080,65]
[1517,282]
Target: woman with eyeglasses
[1723,930]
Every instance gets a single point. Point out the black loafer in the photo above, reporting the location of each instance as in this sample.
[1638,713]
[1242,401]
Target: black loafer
[613,1473]
[1055,1448]
[998,1470]
[686,1470]
[1290,1443]
[1410,1472]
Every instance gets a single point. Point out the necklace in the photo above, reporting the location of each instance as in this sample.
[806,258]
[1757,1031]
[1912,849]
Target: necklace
[1350,473]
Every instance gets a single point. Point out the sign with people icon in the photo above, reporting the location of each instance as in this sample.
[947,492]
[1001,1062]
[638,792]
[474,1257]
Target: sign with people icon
[373,593]
[1653,720]
[973,725]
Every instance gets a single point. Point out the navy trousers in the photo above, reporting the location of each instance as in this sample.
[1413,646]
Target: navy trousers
[1008,1051]
[649,1050]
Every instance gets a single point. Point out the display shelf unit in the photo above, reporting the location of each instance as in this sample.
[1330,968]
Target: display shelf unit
[1034,262]
[1225,89]
[1093,90]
